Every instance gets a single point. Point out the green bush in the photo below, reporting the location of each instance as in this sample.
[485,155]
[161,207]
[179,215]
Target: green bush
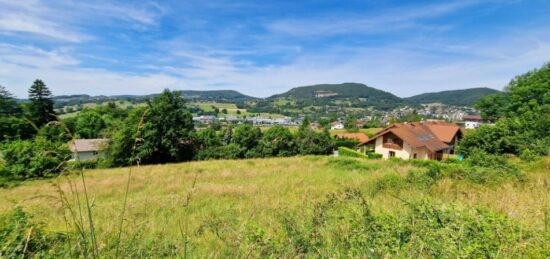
[346,142]
[374,155]
[347,152]
[33,158]
[21,238]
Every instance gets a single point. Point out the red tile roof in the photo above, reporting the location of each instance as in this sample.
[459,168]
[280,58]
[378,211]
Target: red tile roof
[434,136]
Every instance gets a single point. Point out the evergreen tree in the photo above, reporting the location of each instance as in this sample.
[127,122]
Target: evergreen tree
[8,106]
[41,105]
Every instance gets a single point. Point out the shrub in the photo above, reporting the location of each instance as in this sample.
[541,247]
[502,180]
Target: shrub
[528,155]
[346,142]
[347,152]
[231,151]
[21,238]
[374,156]
[33,158]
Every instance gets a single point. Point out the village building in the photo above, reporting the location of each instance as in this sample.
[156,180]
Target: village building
[87,149]
[417,140]
[337,126]
[472,121]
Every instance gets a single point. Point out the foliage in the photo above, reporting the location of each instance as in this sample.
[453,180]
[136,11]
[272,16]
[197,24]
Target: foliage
[343,225]
[33,158]
[41,104]
[347,152]
[8,105]
[89,124]
[54,132]
[350,124]
[120,149]
[524,110]
[21,238]
[373,155]
[466,97]
[168,130]
[231,151]
[309,142]
[277,141]
[346,142]
[12,128]
[247,137]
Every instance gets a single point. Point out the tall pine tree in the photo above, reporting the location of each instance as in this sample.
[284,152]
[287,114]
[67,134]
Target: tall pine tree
[8,105]
[41,105]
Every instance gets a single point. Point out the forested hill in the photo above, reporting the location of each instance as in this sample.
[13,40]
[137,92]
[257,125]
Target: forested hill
[190,95]
[465,97]
[216,95]
[352,94]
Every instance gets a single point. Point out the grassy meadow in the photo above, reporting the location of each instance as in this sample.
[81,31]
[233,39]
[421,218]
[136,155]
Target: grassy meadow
[271,207]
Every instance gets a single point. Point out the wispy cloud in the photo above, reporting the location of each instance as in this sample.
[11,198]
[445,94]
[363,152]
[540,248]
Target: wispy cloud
[391,20]
[66,21]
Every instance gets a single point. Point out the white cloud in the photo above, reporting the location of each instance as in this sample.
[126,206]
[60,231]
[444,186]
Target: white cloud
[62,20]
[391,20]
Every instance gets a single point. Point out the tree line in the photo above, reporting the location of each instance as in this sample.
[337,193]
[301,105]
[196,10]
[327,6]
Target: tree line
[34,142]
[522,116]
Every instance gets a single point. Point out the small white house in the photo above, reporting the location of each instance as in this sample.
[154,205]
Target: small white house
[337,126]
[472,121]
[87,149]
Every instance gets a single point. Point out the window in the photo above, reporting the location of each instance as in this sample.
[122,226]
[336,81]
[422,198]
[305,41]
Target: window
[94,153]
[392,153]
[414,156]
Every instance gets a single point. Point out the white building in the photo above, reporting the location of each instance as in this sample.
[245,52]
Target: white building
[87,149]
[337,126]
[472,121]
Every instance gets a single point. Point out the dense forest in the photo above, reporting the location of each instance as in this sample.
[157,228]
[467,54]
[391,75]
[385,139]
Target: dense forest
[463,97]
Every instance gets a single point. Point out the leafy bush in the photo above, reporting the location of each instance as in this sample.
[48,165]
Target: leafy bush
[21,238]
[347,152]
[33,158]
[346,142]
[374,155]
[231,151]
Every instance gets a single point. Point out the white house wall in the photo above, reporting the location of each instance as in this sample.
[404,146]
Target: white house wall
[406,153]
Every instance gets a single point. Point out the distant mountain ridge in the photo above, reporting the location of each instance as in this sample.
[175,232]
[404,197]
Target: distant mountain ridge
[345,94]
[462,97]
[354,94]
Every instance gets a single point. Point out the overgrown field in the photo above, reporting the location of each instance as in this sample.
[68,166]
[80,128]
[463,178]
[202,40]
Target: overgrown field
[299,206]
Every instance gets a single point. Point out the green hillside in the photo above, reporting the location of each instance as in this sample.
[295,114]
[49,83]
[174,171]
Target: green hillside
[216,95]
[358,95]
[465,97]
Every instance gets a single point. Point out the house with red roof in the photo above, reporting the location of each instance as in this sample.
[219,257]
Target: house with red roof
[417,140]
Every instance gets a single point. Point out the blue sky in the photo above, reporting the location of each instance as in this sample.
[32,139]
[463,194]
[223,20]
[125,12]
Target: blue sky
[266,47]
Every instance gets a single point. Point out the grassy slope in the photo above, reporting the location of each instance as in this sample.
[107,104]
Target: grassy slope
[232,195]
